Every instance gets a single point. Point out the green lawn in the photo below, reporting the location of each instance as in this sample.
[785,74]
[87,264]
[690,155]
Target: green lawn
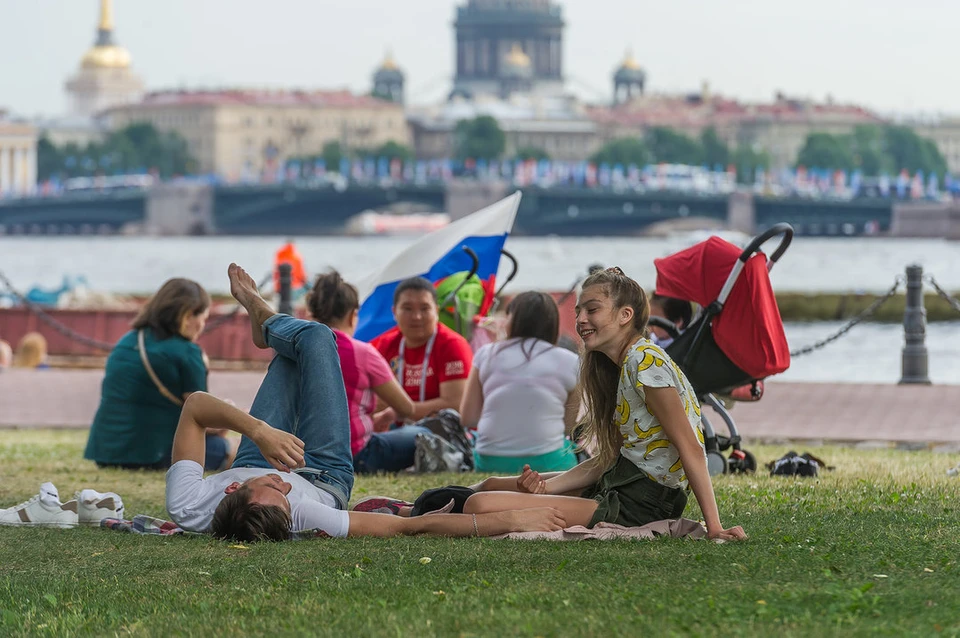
[870,548]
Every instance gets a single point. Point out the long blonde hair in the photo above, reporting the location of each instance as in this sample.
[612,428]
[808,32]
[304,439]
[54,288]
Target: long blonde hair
[599,375]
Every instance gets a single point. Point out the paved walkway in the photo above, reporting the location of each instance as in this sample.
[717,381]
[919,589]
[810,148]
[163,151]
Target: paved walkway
[788,411]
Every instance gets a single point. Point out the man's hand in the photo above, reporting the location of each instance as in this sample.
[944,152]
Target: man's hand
[281,449]
[531,482]
[538,519]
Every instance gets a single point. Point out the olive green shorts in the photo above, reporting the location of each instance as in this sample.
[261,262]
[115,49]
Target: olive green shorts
[625,495]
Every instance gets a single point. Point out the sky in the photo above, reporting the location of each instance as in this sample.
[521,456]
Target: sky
[891,56]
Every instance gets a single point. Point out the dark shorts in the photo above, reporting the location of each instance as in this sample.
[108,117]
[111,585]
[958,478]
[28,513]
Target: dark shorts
[625,495]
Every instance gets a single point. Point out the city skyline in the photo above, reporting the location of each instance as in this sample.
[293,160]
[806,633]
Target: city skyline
[748,51]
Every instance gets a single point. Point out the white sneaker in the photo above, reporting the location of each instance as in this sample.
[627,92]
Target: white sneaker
[44,509]
[94,506]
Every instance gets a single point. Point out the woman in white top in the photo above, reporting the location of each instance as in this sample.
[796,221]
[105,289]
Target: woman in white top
[521,394]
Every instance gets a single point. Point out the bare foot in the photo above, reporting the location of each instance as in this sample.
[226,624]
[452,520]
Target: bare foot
[244,289]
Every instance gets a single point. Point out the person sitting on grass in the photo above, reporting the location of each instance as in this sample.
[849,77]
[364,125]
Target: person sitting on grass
[366,377]
[521,394]
[294,471]
[430,361]
[643,416]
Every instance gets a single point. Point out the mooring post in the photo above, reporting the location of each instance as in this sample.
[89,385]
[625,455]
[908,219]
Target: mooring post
[913,364]
[285,306]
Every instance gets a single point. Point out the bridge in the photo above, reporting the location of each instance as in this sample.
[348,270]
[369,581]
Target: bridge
[302,209]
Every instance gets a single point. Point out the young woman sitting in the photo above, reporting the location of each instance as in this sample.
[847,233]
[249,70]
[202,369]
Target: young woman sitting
[366,376]
[643,416]
[521,396]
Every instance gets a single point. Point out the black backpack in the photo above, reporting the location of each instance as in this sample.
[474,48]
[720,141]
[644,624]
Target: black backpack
[446,425]
[793,464]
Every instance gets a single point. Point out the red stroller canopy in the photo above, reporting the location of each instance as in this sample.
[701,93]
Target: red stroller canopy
[748,329]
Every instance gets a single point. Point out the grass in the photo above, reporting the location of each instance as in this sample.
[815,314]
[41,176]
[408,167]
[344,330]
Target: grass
[870,548]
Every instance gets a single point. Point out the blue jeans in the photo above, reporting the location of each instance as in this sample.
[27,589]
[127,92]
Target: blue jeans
[303,394]
[388,451]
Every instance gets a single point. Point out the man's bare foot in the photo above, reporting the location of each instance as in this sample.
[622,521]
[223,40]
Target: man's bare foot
[244,289]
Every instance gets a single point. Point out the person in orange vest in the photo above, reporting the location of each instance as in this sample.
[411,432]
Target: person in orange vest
[288,254]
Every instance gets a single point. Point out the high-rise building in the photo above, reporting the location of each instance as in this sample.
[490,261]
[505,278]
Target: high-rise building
[104,78]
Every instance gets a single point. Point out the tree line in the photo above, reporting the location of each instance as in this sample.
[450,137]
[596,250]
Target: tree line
[137,148]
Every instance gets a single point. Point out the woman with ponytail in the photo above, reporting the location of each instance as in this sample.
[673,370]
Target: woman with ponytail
[643,419]
[366,377]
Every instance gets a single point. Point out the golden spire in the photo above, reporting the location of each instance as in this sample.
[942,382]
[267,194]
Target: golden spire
[106,15]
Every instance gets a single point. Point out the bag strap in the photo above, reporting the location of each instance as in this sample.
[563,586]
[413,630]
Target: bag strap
[153,375]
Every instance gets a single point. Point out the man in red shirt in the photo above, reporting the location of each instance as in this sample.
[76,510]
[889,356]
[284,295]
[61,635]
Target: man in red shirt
[419,335]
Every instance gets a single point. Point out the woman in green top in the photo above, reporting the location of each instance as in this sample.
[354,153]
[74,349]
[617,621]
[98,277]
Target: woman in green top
[136,420]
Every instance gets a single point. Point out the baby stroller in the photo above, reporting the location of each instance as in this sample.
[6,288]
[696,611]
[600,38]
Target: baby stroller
[737,340]
[465,300]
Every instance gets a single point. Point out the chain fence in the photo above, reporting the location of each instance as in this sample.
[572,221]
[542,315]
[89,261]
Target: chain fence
[954,303]
[96,344]
[866,313]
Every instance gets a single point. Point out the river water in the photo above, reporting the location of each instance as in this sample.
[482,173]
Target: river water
[140,264]
[869,353]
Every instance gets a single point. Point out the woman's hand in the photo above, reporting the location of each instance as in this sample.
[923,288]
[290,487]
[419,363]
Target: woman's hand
[731,534]
[281,449]
[383,419]
[538,519]
[531,482]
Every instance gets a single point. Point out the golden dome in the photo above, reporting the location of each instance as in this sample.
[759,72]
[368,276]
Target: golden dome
[105,54]
[629,62]
[389,64]
[517,57]
[108,57]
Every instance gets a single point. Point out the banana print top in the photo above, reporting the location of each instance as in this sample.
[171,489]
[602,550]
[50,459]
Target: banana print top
[644,441]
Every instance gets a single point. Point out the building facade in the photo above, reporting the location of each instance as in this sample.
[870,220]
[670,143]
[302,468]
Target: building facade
[18,157]
[487,31]
[242,134]
[104,78]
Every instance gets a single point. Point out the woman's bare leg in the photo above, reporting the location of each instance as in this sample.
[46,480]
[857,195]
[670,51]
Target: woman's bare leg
[576,510]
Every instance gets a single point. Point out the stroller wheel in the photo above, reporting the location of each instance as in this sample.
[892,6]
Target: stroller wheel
[749,463]
[716,463]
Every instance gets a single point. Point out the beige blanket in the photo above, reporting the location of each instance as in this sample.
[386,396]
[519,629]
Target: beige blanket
[679,528]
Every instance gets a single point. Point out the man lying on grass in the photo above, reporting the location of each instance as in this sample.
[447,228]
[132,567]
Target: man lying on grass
[299,425]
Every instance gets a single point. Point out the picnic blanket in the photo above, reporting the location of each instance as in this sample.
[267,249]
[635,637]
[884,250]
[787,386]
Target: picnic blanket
[144,524]
[680,528]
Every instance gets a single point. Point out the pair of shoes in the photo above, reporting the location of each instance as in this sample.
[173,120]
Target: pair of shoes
[434,454]
[88,507]
[380,505]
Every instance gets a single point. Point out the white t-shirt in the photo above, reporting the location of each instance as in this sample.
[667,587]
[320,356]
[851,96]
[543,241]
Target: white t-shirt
[192,499]
[523,400]
[644,441]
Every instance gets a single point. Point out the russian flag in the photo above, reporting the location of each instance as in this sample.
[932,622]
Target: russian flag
[435,256]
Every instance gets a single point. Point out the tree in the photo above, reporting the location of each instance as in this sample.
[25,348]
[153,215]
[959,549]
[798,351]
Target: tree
[531,153]
[479,138]
[747,161]
[715,151]
[625,151]
[671,147]
[49,159]
[332,155]
[909,151]
[869,150]
[824,150]
[394,150]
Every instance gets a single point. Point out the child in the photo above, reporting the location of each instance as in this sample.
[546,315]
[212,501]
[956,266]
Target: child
[643,417]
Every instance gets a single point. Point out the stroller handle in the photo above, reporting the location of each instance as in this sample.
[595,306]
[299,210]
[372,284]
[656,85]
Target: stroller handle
[513,270]
[777,229]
